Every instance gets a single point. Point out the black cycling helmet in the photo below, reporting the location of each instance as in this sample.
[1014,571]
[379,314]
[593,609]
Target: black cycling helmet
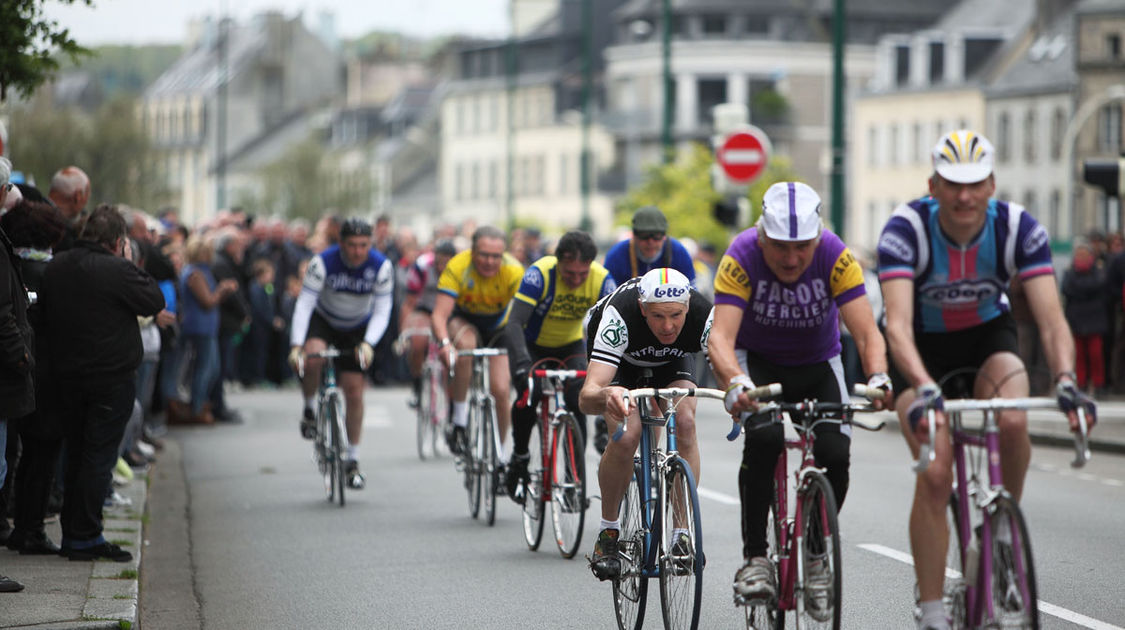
[354,226]
[445,247]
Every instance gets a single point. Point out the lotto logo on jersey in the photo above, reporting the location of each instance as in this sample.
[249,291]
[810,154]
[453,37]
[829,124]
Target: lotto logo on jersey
[670,292]
[961,293]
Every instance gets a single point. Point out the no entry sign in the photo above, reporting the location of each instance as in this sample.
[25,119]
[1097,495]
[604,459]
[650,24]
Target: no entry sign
[743,155]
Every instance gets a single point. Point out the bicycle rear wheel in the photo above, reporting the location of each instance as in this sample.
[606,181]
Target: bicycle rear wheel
[568,488]
[490,463]
[681,577]
[534,493]
[630,591]
[471,460]
[766,615]
[1014,602]
[818,552]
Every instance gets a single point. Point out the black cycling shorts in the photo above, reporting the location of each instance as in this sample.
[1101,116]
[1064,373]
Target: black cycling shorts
[631,376]
[967,349]
[491,339]
[343,340]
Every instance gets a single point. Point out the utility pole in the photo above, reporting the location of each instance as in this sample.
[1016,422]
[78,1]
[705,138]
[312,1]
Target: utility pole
[510,74]
[221,111]
[666,54]
[587,88]
[838,34]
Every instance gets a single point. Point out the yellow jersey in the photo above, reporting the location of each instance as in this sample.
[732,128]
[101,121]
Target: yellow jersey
[559,310]
[482,301]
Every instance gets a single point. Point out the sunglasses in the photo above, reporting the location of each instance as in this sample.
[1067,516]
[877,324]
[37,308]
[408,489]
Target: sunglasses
[649,236]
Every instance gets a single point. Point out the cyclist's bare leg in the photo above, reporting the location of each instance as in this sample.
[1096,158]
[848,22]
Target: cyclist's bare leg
[929,533]
[464,338]
[352,384]
[500,383]
[1015,444]
[419,344]
[311,382]
[617,464]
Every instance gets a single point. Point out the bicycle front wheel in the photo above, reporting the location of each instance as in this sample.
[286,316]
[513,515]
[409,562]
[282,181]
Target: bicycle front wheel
[818,550]
[1014,602]
[630,590]
[762,614]
[534,494]
[425,430]
[490,463]
[953,588]
[568,486]
[339,447]
[472,460]
[681,559]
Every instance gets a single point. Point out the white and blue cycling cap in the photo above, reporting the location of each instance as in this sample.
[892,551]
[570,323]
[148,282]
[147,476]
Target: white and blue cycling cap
[664,285]
[791,212]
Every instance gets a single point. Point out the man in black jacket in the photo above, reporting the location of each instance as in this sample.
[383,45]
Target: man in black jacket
[92,296]
[234,316]
[17,392]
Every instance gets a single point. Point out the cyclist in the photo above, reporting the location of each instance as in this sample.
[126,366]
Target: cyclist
[656,322]
[472,300]
[945,262]
[421,292]
[545,320]
[345,301]
[780,291]
[649,248]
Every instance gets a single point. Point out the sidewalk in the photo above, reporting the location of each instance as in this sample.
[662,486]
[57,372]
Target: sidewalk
[65,595]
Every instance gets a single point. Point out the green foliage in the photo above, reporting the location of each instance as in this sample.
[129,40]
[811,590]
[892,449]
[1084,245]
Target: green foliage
[683,191]
[110,145]
[305,181]
[30,45]
[126,69]
[769,106]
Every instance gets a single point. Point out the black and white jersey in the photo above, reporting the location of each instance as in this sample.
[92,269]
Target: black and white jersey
[618,331]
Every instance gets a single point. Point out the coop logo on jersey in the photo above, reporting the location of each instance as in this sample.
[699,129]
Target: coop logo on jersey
[615,334]
[1035,240]
[896,246]
[961,293]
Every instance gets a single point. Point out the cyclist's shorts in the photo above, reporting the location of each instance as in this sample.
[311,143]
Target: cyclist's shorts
[573,353]
[822,381]
[493,339]
[630,376]
[966,349]
[424,308]
[344,340]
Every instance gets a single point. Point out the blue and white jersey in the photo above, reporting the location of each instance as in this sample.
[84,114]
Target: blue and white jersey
[346,297]
[961,286]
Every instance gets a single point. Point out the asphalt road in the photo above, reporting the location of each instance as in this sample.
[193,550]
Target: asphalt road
[242,536]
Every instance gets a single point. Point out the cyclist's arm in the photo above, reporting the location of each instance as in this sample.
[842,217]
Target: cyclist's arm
[514,340]
[860,321]
[302,314]
[898,300]
[443,308]
[720,345]
[1058,343]
[598,396]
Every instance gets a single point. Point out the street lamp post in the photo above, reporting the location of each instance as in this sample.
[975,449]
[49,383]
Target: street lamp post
[587,88]
[838,34]
[666,57]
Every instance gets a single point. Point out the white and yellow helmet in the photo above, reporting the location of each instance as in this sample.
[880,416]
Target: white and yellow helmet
[963,156]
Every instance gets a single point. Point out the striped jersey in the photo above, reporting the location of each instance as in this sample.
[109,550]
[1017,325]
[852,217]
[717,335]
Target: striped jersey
[558,310]
[961,286]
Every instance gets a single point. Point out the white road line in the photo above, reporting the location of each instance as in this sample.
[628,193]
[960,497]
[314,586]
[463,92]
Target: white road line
[1044,607]
[1116,483]
[725,499]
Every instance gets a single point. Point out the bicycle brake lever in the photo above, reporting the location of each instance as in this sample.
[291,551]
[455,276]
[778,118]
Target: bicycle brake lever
[1081,441]
[735,431]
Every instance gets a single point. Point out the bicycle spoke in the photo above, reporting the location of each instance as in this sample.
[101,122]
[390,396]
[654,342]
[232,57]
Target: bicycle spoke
[681,565]
[631,590]
[533,492]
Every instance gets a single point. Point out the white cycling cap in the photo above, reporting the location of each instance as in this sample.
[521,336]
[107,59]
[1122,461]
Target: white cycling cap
[791,212]
[664,285]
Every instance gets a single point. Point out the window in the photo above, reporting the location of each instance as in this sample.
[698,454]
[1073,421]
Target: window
[917,146]
[1109,128]
[711,92]
[458,183]
[493,179]
[714,25]
[474,182]
[1029,202]
[564,173]
[1058,127]
[892,146]
[902,64]
[1003,138]
[937,62]
[1054,218]
[1030,137]
[1113,46]
[873,146]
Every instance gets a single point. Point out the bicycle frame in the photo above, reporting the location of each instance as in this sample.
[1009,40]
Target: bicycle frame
[328,389]
[969,488]
[477,470]
[552,411]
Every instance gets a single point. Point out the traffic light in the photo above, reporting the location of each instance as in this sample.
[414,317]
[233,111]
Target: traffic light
[1107,174]
[727,211]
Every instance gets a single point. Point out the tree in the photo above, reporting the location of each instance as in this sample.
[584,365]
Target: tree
[29,45]
[305,181]
[110,145]
[683,191]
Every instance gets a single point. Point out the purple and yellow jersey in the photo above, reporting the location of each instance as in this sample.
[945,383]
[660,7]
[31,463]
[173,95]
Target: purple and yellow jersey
[958,287]
[789,323]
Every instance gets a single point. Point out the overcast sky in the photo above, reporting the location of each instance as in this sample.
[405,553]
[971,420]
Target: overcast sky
[165,21]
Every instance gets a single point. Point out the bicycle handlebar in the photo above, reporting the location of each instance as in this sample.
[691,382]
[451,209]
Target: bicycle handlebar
[482,352]
[1081,437]
[328,353]
[814,407]
[670,392]
[399,345]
